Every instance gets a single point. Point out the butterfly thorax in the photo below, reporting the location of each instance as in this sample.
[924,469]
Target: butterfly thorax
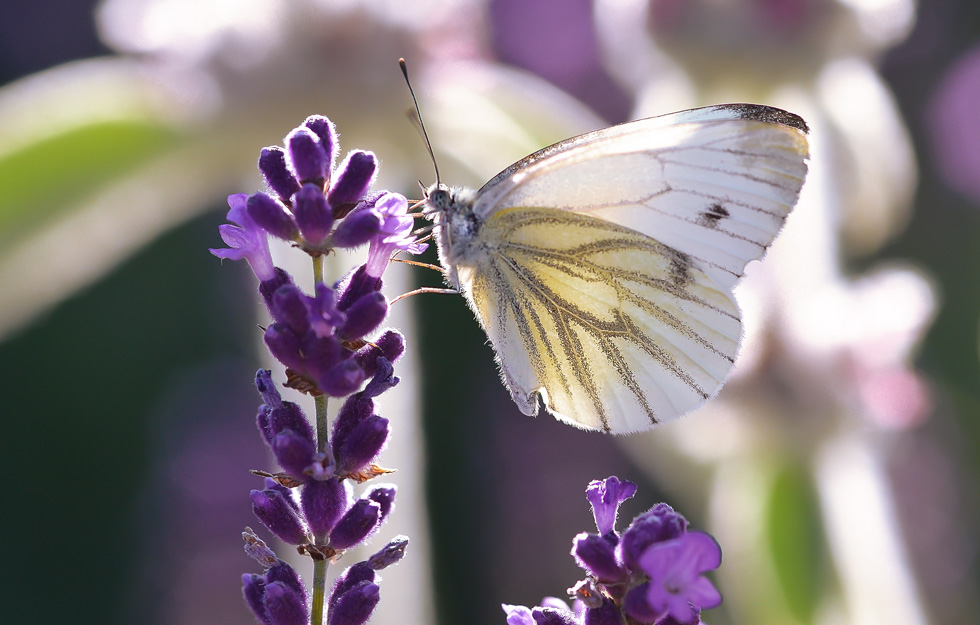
[457,227]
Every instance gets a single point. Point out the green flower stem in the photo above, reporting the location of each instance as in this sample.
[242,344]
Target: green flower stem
[322,425]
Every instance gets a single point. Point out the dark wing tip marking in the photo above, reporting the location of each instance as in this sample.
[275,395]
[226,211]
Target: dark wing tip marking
[768,114]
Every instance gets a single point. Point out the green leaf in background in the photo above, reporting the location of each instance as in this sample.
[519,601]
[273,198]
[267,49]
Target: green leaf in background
[41,179]
[795,541]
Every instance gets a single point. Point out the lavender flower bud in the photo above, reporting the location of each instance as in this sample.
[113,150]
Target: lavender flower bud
[362,445]
[365,315]
[323,503]
[357,228]
[390,345]
[293,452]
[289,307]
[267,288]
[355,410]
[313,215]
[278,516]
[636,605]
[352,576]
[307,158]
[606,614]
[356,285]
[287,575]
[272,217]
[342,379]
[355,606]
[325,131]
[597,555]
[552,616]
[355,526]
[285,345]
[389,554]
[289,416]
[284,605]
[385,496]
[253,589]
[354,177]
[657,524]
[272,164]
[287,494]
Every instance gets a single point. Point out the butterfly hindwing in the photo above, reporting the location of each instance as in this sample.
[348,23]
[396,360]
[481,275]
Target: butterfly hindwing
[615,330]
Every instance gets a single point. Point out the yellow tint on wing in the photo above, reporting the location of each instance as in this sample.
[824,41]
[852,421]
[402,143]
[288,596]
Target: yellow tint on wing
[614,330]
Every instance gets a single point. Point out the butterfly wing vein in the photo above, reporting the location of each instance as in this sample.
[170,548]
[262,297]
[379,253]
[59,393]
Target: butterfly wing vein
[612,329]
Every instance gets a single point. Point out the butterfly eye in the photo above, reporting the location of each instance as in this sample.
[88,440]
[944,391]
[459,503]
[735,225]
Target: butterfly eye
[439,199]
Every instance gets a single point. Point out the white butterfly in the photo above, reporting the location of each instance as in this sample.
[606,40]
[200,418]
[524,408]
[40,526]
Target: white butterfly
[602,267]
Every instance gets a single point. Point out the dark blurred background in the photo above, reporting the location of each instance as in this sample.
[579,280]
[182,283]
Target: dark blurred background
[128,406]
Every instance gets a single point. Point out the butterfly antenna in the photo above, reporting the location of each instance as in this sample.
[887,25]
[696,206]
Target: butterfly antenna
[428,145]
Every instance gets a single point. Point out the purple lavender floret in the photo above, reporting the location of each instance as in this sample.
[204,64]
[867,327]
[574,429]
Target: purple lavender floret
[246,240]
[652,574]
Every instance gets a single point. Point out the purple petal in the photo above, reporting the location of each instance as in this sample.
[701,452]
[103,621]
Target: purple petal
[313,214]
[248,240]
[605,497]
[353,179]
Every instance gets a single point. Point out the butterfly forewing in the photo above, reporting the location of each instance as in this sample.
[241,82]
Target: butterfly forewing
[615,330]
[715,184]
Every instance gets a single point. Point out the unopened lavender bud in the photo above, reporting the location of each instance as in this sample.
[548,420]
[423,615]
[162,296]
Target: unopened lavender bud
[287,494]
[390,345]
[357,228]
[352,576]
[356,409]
[288,576]
[657,524]
[356,285]
[272,216]
[272,164]
[359,522]
[342,379]
[285,345]
[289,307]
[289,416]
[278,516]
[553,616]
[606,614]
[636,605]
[306,156]
[597,555]
[390,554]
[325,131]
[385,496]
[354,178]
[323,503]
[293,452]
[284,606]
[355,606]
[365,315]
[267,288]
[253,589]
[313,214]
[362,445]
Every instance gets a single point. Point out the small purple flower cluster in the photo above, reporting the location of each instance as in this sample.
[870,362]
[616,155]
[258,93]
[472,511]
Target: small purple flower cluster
[322,341]
[650,574]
